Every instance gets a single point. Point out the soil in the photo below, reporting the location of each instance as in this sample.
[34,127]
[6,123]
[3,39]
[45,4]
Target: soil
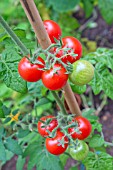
[103,35]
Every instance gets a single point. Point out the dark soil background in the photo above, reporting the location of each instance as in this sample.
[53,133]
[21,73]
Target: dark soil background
[103,35]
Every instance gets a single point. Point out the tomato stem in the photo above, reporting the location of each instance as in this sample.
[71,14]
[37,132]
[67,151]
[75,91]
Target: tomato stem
[59,102]
[13,36]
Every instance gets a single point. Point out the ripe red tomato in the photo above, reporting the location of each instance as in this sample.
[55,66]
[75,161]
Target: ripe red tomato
[30,72]
[84,127]
[55,78]
[53,30]
[43,130]
[73,43]
[52,144]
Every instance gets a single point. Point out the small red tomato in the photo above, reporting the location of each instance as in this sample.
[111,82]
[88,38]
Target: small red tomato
[52,144]
[84,127]
[53,30]
[55,78]
[75,45]
[30,72]
[43,130]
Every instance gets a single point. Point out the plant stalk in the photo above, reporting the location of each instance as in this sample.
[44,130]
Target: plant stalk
[43,38]
[13,36]
[60,104]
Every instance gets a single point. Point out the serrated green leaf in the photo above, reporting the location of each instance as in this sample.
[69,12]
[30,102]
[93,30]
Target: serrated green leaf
[2,152]
[63,159]
[61,6]
[96,141]
[106,9]
[20,163]
[1,110]
[42,101]
[22,133]
[89,114]
[98,161]
[9,69]
[13,146]
[88,7]
[102,59]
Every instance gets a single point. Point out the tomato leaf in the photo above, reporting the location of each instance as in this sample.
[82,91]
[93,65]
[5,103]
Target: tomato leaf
[2,152]
[88,7]
[106,9]
[102,59]
[62,6]
[13,146]
[98,161]
[40,158]
[9,69]
[20,163]
[96,141]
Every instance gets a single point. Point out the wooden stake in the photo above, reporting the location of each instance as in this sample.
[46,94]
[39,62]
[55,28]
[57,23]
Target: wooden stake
[43,38]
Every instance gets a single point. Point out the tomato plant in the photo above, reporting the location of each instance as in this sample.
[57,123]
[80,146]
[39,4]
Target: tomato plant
[54,146]
[55,78]
[53,30]
[80,151]
[44,126]
[75,45]
[30,72]
[84,127]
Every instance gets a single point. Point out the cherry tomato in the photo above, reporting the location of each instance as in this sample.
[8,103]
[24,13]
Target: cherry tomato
[83,72]
[84,127]
[53,30]
[55,78]
[43,130]
[75,45]
[30,72]
[80,152]
[52,144]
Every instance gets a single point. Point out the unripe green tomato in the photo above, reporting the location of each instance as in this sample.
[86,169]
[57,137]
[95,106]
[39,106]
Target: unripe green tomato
[78,89]
[83,72]
[80,152]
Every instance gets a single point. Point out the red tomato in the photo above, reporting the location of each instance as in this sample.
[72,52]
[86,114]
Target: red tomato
[30,72]
[84,127]
[43,130]
[52,144]
[55,80]
[53,30]
[73,43]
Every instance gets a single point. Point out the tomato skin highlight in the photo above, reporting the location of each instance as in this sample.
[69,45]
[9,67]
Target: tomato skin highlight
[80,152]
[55,80]
[43,130]
[73,43]
[84,126]
[52,144]
[30,72]
[53,30]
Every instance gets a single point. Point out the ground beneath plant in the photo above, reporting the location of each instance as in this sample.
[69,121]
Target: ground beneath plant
[103,35]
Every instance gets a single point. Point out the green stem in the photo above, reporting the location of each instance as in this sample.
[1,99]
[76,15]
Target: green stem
[108,144]
[59,102]
[13,36]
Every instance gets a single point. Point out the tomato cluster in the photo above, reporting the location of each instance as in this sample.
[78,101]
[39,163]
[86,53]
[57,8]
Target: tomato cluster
[48,125]
[54,73]
[56,76]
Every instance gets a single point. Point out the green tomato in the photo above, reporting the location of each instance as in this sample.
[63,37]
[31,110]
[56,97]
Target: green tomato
[78,89]
[83,72]
[80,152]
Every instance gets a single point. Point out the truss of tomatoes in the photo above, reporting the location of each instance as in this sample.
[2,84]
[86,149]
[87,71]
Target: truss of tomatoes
[58,144]
[53,80]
